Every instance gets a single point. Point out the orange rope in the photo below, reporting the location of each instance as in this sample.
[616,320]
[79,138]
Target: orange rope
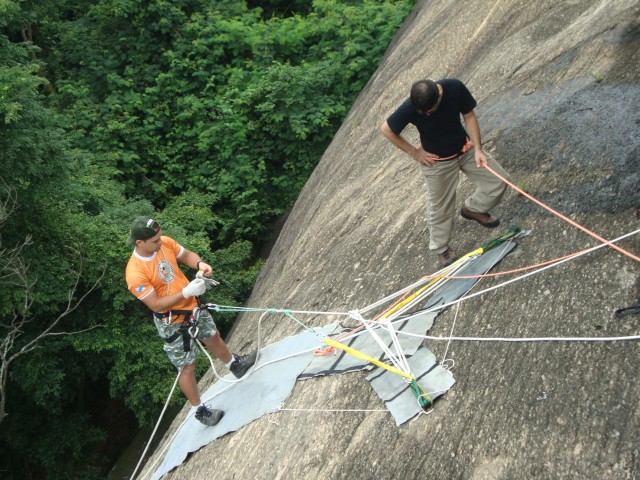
[465,148]
[566,219]
[516,270]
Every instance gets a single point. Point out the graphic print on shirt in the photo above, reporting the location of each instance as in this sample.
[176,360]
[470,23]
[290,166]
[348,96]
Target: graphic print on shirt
[165,271]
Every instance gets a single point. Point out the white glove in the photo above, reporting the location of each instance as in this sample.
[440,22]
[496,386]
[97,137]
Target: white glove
[209,282]
[195,288]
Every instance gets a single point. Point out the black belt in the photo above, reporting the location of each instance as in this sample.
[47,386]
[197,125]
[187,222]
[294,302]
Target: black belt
[173,313]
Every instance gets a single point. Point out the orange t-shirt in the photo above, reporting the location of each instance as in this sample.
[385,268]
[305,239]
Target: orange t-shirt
[159,273]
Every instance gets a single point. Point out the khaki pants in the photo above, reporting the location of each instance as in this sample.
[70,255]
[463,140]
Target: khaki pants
[442,182]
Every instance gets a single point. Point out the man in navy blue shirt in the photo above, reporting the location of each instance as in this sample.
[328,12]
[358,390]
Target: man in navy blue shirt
[445,149]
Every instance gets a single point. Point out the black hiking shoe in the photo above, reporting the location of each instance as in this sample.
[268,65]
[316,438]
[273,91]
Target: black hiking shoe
[208,416]
[242,363]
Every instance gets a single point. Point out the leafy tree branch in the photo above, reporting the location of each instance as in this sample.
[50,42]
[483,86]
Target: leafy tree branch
[14,340]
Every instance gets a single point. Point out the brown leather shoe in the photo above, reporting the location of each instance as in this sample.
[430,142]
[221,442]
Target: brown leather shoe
[447,257]
[485,219]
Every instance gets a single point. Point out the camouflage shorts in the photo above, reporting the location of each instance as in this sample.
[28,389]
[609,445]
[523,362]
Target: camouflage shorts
[175,350]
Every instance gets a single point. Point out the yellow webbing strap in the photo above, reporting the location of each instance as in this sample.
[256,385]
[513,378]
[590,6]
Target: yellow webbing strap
[410,298]
[477,251]
[366,357]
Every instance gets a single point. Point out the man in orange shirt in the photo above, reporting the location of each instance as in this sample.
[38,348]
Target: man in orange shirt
[153,277]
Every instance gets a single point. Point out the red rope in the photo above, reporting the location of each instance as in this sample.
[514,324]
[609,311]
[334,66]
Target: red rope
[566,219]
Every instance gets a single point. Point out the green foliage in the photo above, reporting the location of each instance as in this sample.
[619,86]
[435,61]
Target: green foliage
[219,100]
[65,446]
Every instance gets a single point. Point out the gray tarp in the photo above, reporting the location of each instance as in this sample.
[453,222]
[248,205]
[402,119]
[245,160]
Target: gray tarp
[396,393]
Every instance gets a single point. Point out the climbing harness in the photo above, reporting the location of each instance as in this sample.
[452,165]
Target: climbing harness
[183,330]
[188,329]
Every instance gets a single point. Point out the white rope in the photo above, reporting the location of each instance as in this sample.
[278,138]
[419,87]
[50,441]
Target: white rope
[166,404]
[525,339]
[398,360]
[449,361]
[446,272]
[215,372]
[500,339]
[446,350]
[396,343]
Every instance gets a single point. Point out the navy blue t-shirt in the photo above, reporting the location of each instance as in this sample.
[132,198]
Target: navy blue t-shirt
[441,132]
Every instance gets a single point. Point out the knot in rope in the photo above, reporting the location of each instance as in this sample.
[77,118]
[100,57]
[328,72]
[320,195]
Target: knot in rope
[423,397]
[448,364]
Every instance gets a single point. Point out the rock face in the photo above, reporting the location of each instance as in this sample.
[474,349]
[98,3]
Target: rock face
[558,97]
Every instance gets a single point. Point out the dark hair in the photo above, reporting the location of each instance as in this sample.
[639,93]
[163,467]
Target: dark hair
[424,95]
